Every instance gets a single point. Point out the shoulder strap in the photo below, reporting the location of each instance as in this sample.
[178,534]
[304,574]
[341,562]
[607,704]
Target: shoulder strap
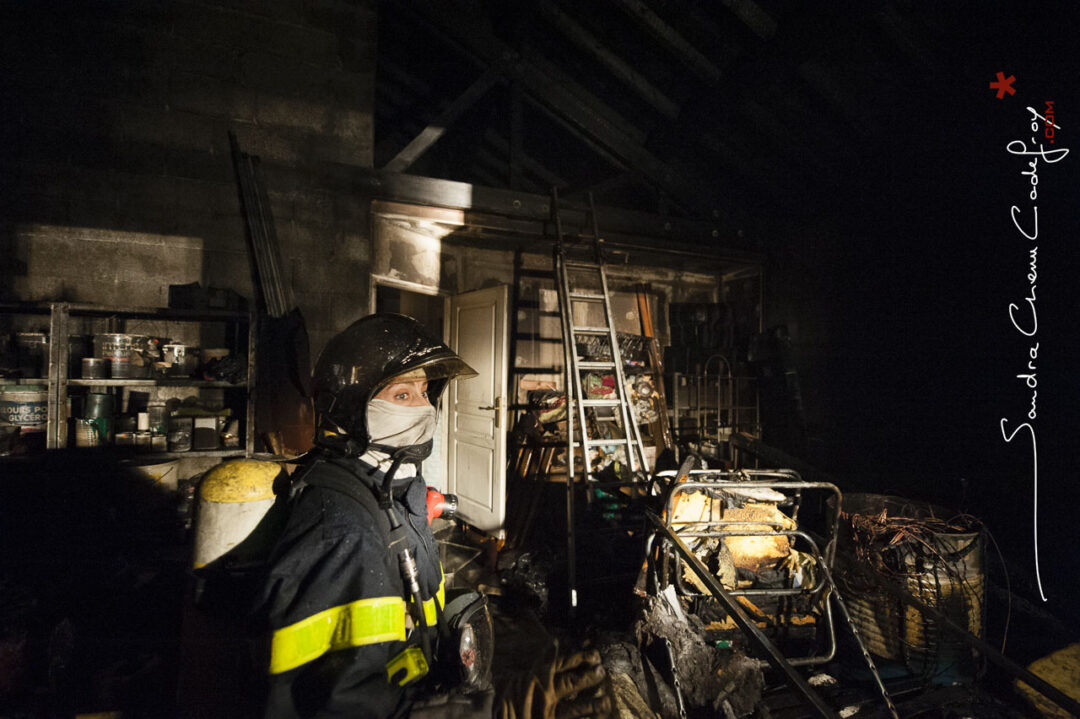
[345,482]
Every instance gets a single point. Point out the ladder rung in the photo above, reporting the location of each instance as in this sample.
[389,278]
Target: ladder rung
[586,297]
[600,403]
[599,442]
[581,266]
[591,330]
[595,365]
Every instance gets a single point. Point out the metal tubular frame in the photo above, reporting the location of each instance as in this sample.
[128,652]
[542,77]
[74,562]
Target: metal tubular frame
[739,479]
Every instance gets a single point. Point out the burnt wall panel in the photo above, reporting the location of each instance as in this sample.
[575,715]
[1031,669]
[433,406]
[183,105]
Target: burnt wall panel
[118,178]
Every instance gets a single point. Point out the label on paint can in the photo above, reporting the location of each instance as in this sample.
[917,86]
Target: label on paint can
[25,408]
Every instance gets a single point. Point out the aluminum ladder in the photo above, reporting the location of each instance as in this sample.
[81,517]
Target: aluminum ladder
[581,282]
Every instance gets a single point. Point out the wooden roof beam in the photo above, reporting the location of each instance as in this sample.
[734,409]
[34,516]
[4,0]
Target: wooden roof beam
[614,64]
[672,40]
[575,109]
[431,134]
[502,146]
[753,16]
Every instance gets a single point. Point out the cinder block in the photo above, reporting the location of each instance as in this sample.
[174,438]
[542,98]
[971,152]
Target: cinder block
[207,95]
[195,165]
[224,234]
[38,288]
[199,57]
[284,76]
[330,271]
[278,145]
[354,89]
[355,127]
[305,206]
[231,28]
[282,178]
[290,11]
[295,113]
[228,269]
[348,18]
[358,55]
[31,208]
[356,153]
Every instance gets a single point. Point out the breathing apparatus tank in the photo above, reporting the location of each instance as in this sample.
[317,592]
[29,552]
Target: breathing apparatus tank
[235,498]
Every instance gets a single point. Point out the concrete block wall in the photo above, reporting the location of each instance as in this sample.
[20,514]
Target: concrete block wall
[118,179]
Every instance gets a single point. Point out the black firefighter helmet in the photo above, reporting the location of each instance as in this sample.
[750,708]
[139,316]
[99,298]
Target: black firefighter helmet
[361,360]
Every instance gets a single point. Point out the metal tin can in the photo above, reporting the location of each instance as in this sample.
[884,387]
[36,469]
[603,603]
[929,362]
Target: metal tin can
[143,441]
[94,368]
[119,351]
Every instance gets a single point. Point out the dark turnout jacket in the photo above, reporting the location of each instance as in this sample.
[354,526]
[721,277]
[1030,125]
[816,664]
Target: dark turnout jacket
[336,603]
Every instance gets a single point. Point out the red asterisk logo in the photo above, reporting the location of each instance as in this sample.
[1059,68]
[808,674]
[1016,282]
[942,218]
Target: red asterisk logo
[1003,85]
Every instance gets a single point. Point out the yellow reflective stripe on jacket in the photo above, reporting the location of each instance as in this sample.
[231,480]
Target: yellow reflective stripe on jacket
[430,614]
[365,621]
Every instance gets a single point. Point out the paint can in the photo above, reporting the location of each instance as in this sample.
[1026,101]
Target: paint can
[119,351]
[32,349]
[87,433]
[99,404]
[25,406]
[94,368]
[25,409]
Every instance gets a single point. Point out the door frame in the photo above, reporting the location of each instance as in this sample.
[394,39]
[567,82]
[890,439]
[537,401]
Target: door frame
[399,284]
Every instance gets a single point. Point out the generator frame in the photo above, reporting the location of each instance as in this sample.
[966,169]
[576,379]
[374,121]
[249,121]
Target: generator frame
[727,482]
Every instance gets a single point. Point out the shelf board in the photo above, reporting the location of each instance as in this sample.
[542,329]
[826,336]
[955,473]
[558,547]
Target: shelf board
[166,313]
[167,382]
[192,453]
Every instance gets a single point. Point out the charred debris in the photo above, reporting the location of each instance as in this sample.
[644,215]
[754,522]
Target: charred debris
[757,593]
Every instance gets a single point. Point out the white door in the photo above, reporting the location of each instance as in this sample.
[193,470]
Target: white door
[476,408]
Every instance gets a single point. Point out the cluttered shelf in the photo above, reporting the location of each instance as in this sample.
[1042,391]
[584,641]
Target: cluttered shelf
[99,381]
[175,382]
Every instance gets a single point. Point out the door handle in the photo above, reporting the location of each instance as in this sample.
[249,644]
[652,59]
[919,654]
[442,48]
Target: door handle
[496,407]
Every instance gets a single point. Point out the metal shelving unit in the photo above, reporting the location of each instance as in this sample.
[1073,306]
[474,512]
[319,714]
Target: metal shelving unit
[60,314]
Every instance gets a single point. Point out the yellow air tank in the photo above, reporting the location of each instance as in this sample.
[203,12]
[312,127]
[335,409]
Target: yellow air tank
[234,498]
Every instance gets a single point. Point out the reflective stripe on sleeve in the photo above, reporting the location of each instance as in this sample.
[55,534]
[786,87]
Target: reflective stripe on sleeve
[365,621]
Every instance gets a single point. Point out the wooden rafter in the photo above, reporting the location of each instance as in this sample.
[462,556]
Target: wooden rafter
[437,128]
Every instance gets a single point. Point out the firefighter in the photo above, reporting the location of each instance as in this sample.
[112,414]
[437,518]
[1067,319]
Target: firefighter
[354,593]
[354,589]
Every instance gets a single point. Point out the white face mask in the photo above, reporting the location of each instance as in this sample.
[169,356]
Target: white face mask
[397,425]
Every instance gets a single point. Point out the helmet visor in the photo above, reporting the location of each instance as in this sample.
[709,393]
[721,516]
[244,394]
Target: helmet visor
[443,368]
